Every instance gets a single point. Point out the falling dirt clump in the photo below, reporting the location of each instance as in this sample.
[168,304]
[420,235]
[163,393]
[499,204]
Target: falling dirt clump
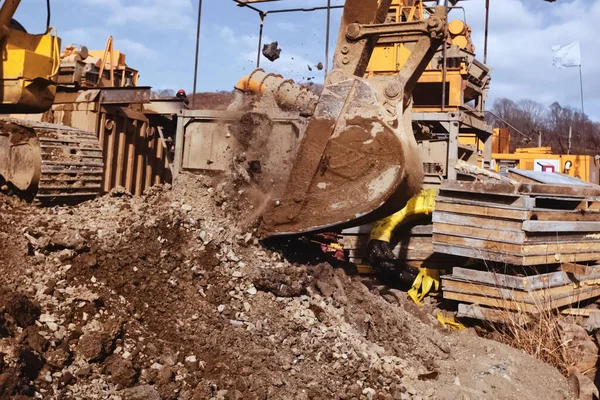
[172,296]
[271,51]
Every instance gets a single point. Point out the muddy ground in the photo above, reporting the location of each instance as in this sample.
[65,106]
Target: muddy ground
[171,296]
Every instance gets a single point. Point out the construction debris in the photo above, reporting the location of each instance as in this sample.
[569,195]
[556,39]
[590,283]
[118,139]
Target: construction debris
[171,296]
[271,51]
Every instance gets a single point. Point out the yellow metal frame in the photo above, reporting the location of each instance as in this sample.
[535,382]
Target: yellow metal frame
[29,64]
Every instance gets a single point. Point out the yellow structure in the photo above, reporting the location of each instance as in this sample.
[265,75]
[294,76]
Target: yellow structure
[586,168]
[388,59]
[29,63]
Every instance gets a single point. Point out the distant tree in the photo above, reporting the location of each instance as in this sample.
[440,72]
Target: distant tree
[532,118]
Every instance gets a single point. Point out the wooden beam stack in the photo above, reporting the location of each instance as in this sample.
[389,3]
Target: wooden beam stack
[549,234]
[523,224]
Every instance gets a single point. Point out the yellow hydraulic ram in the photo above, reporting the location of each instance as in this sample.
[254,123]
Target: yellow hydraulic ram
[421,205]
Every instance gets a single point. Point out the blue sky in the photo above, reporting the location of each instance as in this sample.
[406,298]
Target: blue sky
[158,37]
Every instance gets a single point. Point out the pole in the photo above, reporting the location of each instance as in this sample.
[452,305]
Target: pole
[570,137]
[581,85]
[326,69]
[444,64]
[540,138]
[487,24]
[260,34]
[197,51]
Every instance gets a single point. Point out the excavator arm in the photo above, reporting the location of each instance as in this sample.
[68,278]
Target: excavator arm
[358,161]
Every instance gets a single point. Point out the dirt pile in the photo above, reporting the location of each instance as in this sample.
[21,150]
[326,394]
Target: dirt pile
[171,296]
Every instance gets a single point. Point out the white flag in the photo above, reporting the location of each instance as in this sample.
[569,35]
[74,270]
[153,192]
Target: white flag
[567,56]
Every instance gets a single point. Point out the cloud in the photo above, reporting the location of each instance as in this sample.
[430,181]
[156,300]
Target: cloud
[227,34]
[521,36]
[154,14]
[136,49]
[287,26]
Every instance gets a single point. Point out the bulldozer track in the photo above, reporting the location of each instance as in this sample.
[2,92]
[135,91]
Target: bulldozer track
[72,166]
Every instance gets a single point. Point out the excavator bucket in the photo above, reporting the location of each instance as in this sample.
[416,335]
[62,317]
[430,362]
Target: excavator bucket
[365,168]
[358,161]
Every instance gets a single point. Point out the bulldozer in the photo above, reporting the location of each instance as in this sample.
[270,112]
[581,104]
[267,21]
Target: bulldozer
[43,162]
[76,123]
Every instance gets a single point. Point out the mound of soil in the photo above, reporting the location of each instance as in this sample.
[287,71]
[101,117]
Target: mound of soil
[172,296]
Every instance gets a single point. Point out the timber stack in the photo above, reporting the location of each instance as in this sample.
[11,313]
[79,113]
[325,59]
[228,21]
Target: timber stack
[536,236]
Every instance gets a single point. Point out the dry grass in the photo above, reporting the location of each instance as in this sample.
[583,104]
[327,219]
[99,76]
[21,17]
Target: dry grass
[537,335]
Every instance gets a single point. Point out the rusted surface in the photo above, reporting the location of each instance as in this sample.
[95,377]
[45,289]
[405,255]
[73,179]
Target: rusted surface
[52,163]
[352,58]
[350,165]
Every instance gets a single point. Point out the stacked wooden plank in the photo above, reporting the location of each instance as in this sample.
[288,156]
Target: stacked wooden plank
[538,245]
[519,224]
[532,294]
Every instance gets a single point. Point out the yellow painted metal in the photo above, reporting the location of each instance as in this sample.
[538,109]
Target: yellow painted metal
[457,27]
[28,67]
[419,206]
[450,323]
[583,167]
[389,60]
[113,61]
[460,41]
[427,281]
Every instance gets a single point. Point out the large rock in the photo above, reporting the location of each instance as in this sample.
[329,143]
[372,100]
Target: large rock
[121,370]
[582,387]
[93,346]
[143,392]
[581,349]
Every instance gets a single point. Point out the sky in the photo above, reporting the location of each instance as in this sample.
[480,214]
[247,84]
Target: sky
[158,38]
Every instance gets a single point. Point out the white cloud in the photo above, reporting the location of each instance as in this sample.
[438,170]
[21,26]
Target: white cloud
[521,36]
[154,14]
[136,49]
[287,26]
[227,34]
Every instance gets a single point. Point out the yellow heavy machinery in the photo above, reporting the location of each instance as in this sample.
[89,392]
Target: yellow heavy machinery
[50,162]
[347,158]
[450,129]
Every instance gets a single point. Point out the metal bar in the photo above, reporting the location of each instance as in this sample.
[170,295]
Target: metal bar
[102,130]
[197,51]
[260,35]
[453,149]
[110,155]
[121,154]
[581,85]
[179,143]
[444,64]
[168,161]
[487,24]
[509,125]
[150,154]
[243,4]
[130,158]
[327,34]
[159,162]
[8,10]
[139,172]
[302,9]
